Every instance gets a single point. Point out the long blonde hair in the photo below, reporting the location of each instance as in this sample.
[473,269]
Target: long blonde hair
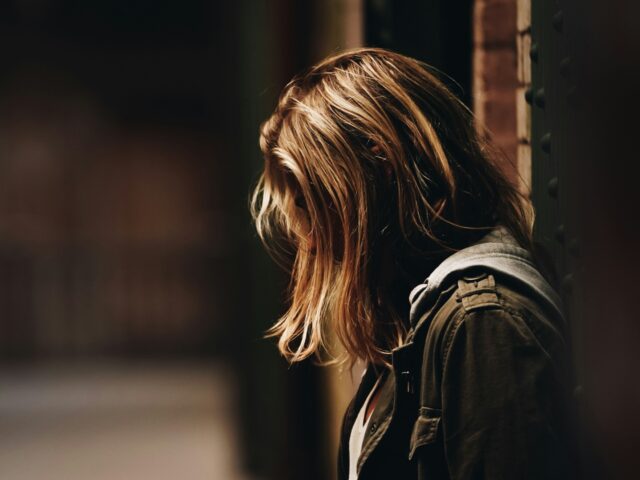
[365,146]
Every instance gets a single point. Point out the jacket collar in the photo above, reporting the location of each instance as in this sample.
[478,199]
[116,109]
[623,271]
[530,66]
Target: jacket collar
[499,252]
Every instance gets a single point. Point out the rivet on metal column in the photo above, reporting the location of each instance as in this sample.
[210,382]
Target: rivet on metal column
[539,98]
[552,187]
[545,142]
[557,21]
[528,95]
[533,52]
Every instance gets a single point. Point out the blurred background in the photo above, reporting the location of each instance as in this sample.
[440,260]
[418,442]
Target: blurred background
[133,291]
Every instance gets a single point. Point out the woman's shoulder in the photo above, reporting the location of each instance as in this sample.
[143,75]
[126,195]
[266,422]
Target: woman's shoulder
[486,300]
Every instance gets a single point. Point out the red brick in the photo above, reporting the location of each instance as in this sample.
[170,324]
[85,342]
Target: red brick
[495,23]
[499,69]
[500,113]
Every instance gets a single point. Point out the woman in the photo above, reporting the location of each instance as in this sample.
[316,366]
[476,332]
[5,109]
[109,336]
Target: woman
[408,246]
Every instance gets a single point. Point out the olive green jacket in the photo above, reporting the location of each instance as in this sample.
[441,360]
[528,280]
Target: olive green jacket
[482,388]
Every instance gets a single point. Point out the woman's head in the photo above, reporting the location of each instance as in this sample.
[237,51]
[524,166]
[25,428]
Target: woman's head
[370,161]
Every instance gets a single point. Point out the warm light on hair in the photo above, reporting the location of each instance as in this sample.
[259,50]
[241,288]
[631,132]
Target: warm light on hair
[367,150]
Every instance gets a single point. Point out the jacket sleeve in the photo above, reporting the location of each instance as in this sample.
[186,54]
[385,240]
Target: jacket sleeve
[501,397]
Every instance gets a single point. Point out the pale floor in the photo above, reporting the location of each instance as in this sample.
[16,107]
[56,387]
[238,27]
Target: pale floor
[118,421]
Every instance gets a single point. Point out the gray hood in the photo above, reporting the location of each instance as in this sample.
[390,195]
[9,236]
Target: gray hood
[499,253]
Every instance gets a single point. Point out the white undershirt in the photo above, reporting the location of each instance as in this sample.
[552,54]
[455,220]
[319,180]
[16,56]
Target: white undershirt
[357,435]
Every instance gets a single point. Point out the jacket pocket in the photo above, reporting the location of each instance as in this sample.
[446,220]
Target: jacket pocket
[425,429]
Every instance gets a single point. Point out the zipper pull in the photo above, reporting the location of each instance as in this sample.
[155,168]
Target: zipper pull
[408,379]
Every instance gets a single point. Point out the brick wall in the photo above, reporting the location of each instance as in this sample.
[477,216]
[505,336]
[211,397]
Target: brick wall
[501,72]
